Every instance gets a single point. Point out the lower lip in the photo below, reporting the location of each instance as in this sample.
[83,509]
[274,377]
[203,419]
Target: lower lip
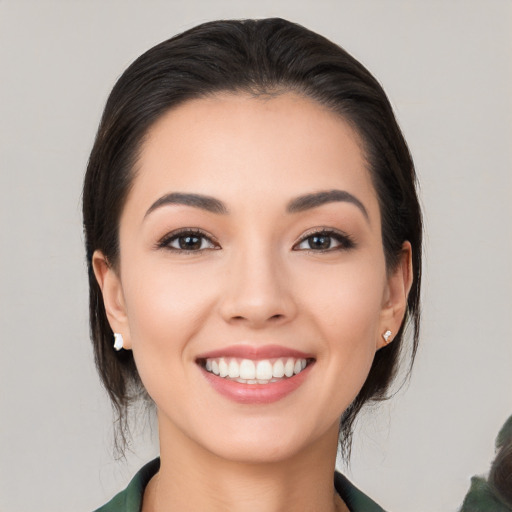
[256,393]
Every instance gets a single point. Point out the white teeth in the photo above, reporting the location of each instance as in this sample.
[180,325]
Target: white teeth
[278,369]
[288,367]
[255,381]
[234,369]
[264,370]
[247,371]
[223,367]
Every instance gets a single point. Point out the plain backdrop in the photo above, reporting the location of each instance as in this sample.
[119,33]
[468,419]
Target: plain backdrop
[447,68]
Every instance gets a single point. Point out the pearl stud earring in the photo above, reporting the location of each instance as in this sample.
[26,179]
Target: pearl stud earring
[118,341]
[387,336]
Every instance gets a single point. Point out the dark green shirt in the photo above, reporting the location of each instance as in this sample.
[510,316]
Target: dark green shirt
[130,500]
[481,497]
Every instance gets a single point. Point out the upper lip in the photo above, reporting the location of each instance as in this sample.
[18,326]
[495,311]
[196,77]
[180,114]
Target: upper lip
[255,352]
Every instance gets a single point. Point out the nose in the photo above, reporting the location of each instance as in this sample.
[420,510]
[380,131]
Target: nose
[258,291]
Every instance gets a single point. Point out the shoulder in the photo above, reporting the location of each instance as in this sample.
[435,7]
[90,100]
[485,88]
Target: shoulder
[355,500]
[130,500]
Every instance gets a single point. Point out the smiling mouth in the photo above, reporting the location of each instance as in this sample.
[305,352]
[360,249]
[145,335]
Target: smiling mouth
[248,371]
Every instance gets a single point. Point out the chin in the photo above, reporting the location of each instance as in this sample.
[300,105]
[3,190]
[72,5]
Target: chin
[258,451]
[268,442]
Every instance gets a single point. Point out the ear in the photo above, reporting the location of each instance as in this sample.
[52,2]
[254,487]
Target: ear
[113,298]
[394,304]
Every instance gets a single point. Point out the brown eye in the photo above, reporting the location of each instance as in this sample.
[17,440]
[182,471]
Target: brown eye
[190,242]
[325,241]
[321,242]
[187,241]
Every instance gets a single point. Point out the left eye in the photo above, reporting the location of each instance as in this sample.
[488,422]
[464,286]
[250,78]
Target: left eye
[188,241]
[324,241]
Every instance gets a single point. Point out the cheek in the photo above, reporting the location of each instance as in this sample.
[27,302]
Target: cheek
[346,298]
[165,310]
[164,305]
[345,306]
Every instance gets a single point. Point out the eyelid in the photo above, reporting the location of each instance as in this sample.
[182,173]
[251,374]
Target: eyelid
[345,240]
[164,241]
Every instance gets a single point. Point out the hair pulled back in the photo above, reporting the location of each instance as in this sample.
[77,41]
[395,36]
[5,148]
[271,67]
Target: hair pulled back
[267,56]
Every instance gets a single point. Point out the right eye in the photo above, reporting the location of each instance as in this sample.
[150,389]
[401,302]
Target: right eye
[188,241]
[325,240]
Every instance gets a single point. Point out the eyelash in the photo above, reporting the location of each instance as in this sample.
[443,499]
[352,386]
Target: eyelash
[165,242]
[343,240]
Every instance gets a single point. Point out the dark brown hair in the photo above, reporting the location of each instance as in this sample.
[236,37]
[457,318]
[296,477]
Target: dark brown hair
[264,56]
[500,476]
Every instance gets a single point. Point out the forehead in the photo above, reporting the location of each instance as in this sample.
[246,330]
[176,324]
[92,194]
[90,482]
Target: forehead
[281,145]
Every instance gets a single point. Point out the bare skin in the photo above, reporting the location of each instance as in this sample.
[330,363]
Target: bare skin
[274,257]
[284,486]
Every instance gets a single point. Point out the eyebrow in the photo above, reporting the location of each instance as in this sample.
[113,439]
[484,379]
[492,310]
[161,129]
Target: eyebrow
[207,203]
[297,205]
[309,201]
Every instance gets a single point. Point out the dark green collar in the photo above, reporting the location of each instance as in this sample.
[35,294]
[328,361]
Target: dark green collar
[482,498]
[130,500]
[356,500]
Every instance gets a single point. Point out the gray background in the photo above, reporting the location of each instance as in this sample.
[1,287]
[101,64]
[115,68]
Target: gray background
[447,67]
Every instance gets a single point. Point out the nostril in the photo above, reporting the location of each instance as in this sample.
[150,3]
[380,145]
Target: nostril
[274,318]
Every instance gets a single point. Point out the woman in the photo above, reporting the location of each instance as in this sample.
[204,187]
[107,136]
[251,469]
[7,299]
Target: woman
[253,238]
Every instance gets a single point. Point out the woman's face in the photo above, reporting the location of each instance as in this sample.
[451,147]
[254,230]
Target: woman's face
[252,285]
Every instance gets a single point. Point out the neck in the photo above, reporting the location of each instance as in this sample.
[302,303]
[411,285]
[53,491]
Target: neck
[192,478]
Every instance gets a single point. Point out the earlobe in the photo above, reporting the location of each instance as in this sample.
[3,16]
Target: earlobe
[395,302]
[113,299]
